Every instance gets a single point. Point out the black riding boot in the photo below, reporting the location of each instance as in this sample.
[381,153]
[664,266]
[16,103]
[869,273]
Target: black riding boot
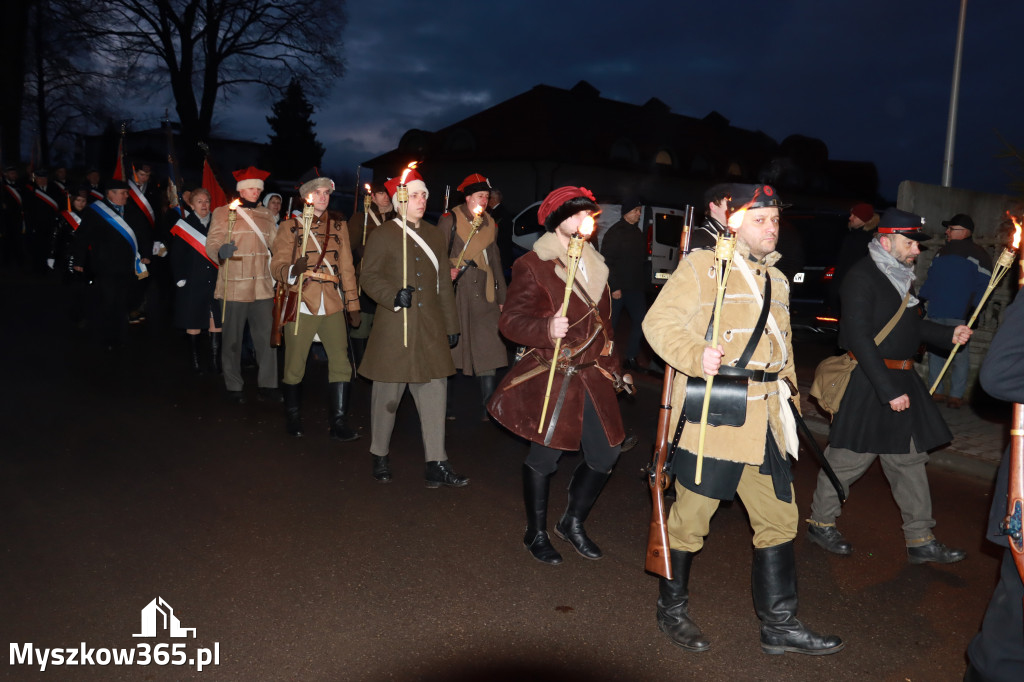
[673,605]
[292,402]
[487,384]
[535,497]
[215,365]
[586,485]
[773,581]
[193,346]
[339,393]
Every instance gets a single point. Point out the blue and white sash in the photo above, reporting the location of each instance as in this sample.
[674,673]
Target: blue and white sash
[118,223]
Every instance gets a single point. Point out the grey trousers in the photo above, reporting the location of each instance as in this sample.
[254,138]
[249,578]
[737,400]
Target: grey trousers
[430,400]
[258,314]
[907,479]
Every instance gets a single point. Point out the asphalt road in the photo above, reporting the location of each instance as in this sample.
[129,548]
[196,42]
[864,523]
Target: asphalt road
[124,478]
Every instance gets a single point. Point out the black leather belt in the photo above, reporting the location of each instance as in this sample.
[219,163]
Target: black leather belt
[756,375]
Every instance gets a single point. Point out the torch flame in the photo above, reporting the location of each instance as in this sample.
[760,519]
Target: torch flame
[367,186]
[406,172]
[235,204]
[1016,231]
[309,198]
[736,218]
[478,210]
[586,226]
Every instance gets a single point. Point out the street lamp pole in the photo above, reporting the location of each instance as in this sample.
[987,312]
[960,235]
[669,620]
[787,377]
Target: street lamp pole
[947,161]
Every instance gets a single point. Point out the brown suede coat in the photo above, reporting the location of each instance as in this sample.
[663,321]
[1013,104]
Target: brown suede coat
[535,295]
[675,327]
[247,272]
[287,247]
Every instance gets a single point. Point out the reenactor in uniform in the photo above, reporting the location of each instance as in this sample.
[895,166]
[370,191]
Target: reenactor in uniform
[476,270]
[359,229]
[244,281]
[329,293]
[415,326]
[748,456]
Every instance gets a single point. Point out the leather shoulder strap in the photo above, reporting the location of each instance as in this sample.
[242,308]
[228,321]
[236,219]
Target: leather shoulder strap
[880,336]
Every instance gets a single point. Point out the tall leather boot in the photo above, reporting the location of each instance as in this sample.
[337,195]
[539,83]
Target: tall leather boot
[674,602]
[535,498]
[586,485]
[215,365]
[773,582]
[487,385]
[193,347]
[292,403]
[340,393]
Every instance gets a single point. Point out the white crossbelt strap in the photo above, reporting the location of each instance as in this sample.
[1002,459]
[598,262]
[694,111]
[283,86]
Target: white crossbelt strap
[423,245]
[786,415]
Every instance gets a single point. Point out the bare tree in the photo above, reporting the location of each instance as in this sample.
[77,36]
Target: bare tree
[206,50]
[63,93]
[12,78]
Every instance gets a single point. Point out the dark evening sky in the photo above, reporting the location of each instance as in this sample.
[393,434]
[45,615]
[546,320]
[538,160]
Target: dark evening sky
[870,78]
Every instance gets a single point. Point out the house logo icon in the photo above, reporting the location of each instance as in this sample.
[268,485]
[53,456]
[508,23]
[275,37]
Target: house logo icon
[158,615]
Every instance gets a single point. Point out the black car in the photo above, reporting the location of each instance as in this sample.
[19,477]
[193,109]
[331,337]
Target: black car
[810,241]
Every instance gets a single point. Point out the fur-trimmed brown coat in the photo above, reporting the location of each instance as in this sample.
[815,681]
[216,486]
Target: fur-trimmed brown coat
[535,295]
[675,327]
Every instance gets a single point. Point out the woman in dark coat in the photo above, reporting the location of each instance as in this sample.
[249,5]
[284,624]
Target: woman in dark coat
[583,412]
[195,277]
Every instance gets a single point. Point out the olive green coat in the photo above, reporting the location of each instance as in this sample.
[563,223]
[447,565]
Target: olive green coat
[432,316]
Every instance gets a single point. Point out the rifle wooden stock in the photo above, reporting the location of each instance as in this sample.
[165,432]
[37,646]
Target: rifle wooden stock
[658,559]
[1015,492]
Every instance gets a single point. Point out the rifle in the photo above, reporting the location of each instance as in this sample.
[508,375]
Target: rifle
[658,559]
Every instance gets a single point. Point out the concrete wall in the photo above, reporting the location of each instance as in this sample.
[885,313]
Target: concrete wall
[993,231]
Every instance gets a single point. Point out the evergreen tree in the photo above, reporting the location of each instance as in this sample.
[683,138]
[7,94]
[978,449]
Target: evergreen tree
[293,148]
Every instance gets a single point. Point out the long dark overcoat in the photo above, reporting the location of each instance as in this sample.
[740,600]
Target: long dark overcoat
[193,302]
[865,422]
[432,316]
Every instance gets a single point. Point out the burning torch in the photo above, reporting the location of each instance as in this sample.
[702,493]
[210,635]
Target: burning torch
[307,224]
[366,211]
[1002,266]
[572,258]
[477,221]
[402,197]
[724,250]
[232,208]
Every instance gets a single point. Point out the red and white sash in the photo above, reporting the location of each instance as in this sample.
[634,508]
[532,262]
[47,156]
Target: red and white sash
[47,199]
[194,238]
[135,192]
[96,193]
[13,192]
[72,219]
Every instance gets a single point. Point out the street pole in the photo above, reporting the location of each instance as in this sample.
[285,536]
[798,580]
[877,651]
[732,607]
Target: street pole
[947,161]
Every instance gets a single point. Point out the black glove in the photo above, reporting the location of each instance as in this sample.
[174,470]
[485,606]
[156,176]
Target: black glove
[403,299]
[453,340]
[226,250]
[299,266]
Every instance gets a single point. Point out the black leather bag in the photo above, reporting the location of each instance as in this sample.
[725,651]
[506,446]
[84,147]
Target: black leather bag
[728,400]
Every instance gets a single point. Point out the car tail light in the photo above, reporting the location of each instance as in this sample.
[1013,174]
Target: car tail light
[829,273]
[823,318]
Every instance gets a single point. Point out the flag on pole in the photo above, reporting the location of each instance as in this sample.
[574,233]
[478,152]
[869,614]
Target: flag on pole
[210,184]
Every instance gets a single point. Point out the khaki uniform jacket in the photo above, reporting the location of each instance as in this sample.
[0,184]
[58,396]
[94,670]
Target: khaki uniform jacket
[675,327]
[247,272]
[432,316]
[287,247]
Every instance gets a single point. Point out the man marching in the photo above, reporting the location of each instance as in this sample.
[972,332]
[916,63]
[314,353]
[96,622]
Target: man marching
[329,292]
[886,412]
[476,268]
[424,292]
[754,351]
[108,248]
[244,282]
[359,229]
[584,412]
